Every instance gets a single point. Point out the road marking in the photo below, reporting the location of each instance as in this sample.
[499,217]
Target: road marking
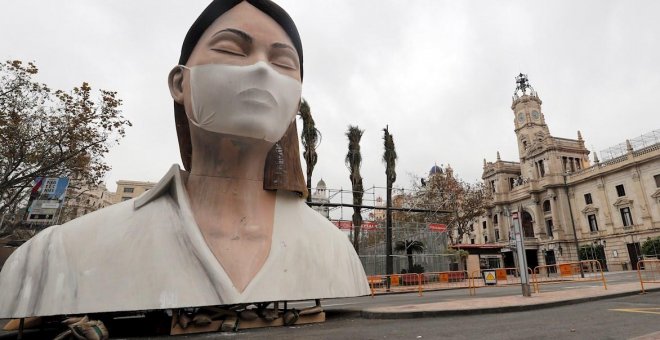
[578,287]
[638,310]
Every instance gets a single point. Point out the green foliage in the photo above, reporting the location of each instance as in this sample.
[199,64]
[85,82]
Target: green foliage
[409,246]
[417,269]
[651,247]
[51,133]
[459,257]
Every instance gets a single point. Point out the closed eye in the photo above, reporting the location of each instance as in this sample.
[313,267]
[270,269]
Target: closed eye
[285,65]
[230,52]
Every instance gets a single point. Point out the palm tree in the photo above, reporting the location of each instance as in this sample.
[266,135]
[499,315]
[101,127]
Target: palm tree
[389,158]
[310,137]
[354,162]
[409,247]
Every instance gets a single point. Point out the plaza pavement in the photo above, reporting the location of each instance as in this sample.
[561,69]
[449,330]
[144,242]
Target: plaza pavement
[504,304]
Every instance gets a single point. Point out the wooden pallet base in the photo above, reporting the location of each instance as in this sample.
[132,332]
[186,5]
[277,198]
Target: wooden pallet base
[216,326]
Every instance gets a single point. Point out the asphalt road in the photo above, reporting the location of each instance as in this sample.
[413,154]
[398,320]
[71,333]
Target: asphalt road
[620,318]
[592,320]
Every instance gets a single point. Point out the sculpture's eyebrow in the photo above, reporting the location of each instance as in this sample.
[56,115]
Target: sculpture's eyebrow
[283,45]
[239,33]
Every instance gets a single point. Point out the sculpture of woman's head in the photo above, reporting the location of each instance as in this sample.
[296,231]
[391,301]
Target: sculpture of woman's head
[240,74]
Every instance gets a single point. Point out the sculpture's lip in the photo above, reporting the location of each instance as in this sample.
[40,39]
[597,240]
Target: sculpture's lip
[257,95]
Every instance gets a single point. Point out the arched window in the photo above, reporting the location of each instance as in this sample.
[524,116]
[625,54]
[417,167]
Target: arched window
[546,206]
[527,226]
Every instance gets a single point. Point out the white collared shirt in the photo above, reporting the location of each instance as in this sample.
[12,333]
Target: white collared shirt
[148,253]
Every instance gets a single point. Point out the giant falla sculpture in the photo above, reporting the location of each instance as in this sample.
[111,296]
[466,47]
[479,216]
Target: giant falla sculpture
[231,229]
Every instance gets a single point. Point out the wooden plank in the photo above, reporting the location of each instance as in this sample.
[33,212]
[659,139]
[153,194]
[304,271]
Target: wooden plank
[176,329]
[245,324]
[302,320]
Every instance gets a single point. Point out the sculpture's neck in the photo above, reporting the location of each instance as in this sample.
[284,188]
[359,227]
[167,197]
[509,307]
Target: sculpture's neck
[228,156]
[232,210]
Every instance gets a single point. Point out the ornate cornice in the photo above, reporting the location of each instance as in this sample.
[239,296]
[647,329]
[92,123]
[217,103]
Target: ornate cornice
[590,208]
[622,201]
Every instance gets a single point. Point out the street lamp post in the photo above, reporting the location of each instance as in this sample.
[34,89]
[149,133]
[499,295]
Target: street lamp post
[570,211]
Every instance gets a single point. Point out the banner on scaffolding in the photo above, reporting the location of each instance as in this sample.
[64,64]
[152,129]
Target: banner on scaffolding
[348,225]
[439,227]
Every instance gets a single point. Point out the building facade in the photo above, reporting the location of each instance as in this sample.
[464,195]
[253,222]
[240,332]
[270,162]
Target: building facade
[127,190]
[84,200]
[562,195]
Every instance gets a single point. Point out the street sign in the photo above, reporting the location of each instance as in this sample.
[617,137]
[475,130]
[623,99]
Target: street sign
[490,278]
[43,211]
[514,215]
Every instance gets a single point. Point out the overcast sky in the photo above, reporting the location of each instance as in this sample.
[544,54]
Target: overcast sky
[440,73]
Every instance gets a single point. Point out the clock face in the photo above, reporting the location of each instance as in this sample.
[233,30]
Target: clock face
[535,114]
[521,117]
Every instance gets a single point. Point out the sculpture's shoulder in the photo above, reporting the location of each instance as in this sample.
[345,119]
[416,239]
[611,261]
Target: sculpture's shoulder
[92,263]
[312,249]
[308,221]
[55,240]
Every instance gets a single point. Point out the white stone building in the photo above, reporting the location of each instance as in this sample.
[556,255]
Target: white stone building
[614,203]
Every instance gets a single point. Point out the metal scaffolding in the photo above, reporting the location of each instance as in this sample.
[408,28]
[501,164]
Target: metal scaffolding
[637,143]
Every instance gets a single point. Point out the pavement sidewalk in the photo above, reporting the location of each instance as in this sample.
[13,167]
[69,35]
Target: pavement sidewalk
[503,303]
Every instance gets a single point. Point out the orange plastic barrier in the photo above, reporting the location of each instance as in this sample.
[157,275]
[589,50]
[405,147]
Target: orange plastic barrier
[505,277]
[444,280]
[648,272]
[582,271]
[566,270]
[501,274]
[395,283]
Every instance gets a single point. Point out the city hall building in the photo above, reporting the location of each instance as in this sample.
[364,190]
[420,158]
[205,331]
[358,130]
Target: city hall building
[563,193]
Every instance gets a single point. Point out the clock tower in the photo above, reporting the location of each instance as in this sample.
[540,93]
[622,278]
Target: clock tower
[531,130]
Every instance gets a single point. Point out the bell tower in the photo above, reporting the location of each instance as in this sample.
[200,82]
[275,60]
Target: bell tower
[531,130]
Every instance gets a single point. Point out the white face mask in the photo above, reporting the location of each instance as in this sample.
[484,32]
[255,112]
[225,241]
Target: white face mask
[249,101]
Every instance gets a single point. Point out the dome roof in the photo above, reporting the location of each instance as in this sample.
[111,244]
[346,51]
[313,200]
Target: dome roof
[435,170]
[321,184]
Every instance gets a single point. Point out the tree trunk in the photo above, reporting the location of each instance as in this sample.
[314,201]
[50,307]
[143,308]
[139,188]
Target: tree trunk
[309,185]
[388,232]
[357,223]
[410,260]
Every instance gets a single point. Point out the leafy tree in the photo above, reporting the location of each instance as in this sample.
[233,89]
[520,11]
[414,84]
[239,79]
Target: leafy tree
[389,158]
[417,269]
[409,247]
[50,133]
[651,247]
[459,257]
[446,192]
[310,137]
[354,163]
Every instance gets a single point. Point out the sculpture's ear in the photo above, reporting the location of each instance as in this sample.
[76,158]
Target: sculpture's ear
[175,82]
